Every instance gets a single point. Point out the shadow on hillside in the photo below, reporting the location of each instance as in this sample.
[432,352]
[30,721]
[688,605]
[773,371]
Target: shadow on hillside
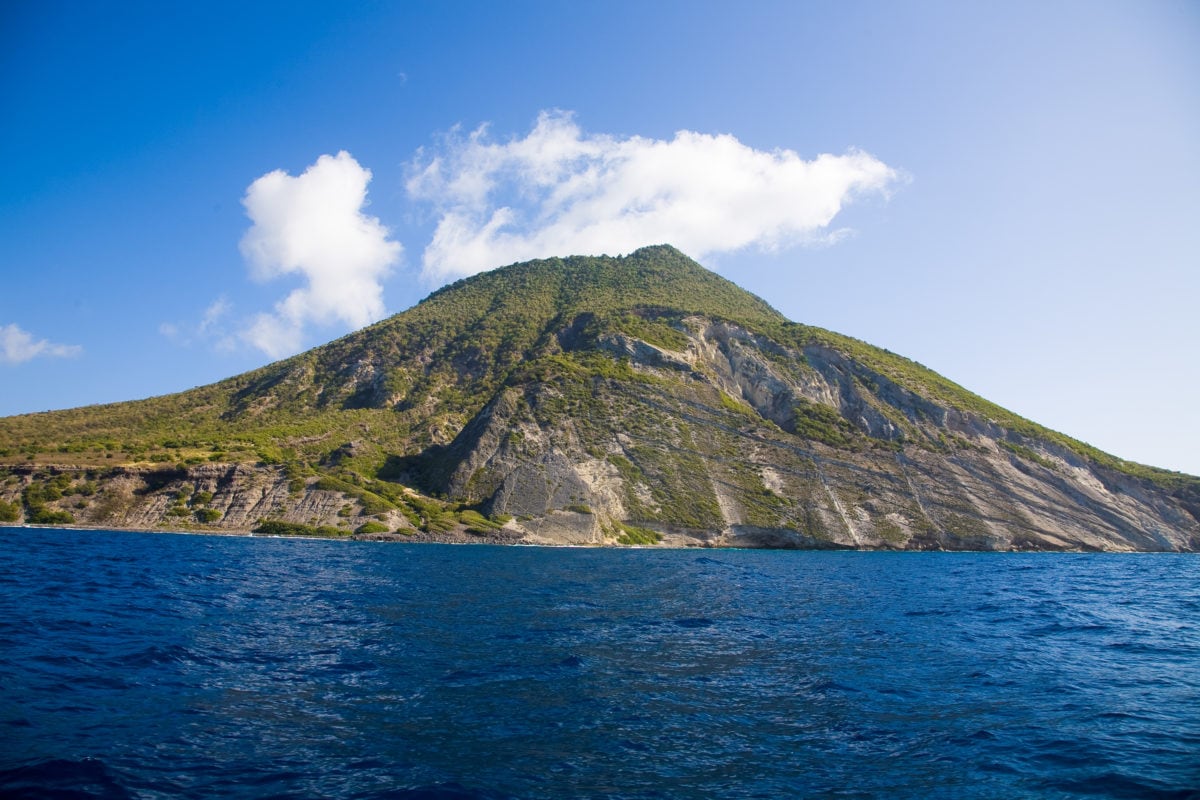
[157,479]
[425,471]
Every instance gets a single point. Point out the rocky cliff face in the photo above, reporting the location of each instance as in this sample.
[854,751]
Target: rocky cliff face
[212,497]
[598,401]
[733,440]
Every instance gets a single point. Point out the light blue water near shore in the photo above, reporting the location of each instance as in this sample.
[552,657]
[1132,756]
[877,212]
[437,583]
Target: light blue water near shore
[154,665]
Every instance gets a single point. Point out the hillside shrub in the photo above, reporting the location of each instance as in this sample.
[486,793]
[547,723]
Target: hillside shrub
[477,523]
[821,423]
[46,516]
[276,527]
[633,535]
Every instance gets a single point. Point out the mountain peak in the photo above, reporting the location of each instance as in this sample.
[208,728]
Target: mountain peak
[656,275]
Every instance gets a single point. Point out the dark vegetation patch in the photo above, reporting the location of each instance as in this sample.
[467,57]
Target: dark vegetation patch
[274,527]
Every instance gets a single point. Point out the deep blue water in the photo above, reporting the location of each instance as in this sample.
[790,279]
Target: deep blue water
[155,665]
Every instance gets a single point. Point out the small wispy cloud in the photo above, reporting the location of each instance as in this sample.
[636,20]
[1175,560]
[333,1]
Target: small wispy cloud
[208,329]
[313,225]
[561,191]
[18,346]
[212,315]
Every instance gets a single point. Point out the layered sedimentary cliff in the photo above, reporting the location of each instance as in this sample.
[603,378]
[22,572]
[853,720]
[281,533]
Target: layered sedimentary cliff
[735,440]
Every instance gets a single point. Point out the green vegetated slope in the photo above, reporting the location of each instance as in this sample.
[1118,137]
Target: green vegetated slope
[633,400]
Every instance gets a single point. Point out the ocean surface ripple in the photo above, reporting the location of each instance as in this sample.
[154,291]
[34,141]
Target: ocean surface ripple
[163,666]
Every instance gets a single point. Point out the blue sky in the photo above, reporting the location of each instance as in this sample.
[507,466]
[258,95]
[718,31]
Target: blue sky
[1008,192]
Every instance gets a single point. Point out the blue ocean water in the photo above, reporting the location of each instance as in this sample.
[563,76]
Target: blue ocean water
[169,666]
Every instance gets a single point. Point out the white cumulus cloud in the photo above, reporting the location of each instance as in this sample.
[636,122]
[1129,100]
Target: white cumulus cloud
[560,191]
[313,226]
[18,346]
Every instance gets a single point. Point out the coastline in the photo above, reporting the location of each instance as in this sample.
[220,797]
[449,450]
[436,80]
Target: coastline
[456,538]
[515,539]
